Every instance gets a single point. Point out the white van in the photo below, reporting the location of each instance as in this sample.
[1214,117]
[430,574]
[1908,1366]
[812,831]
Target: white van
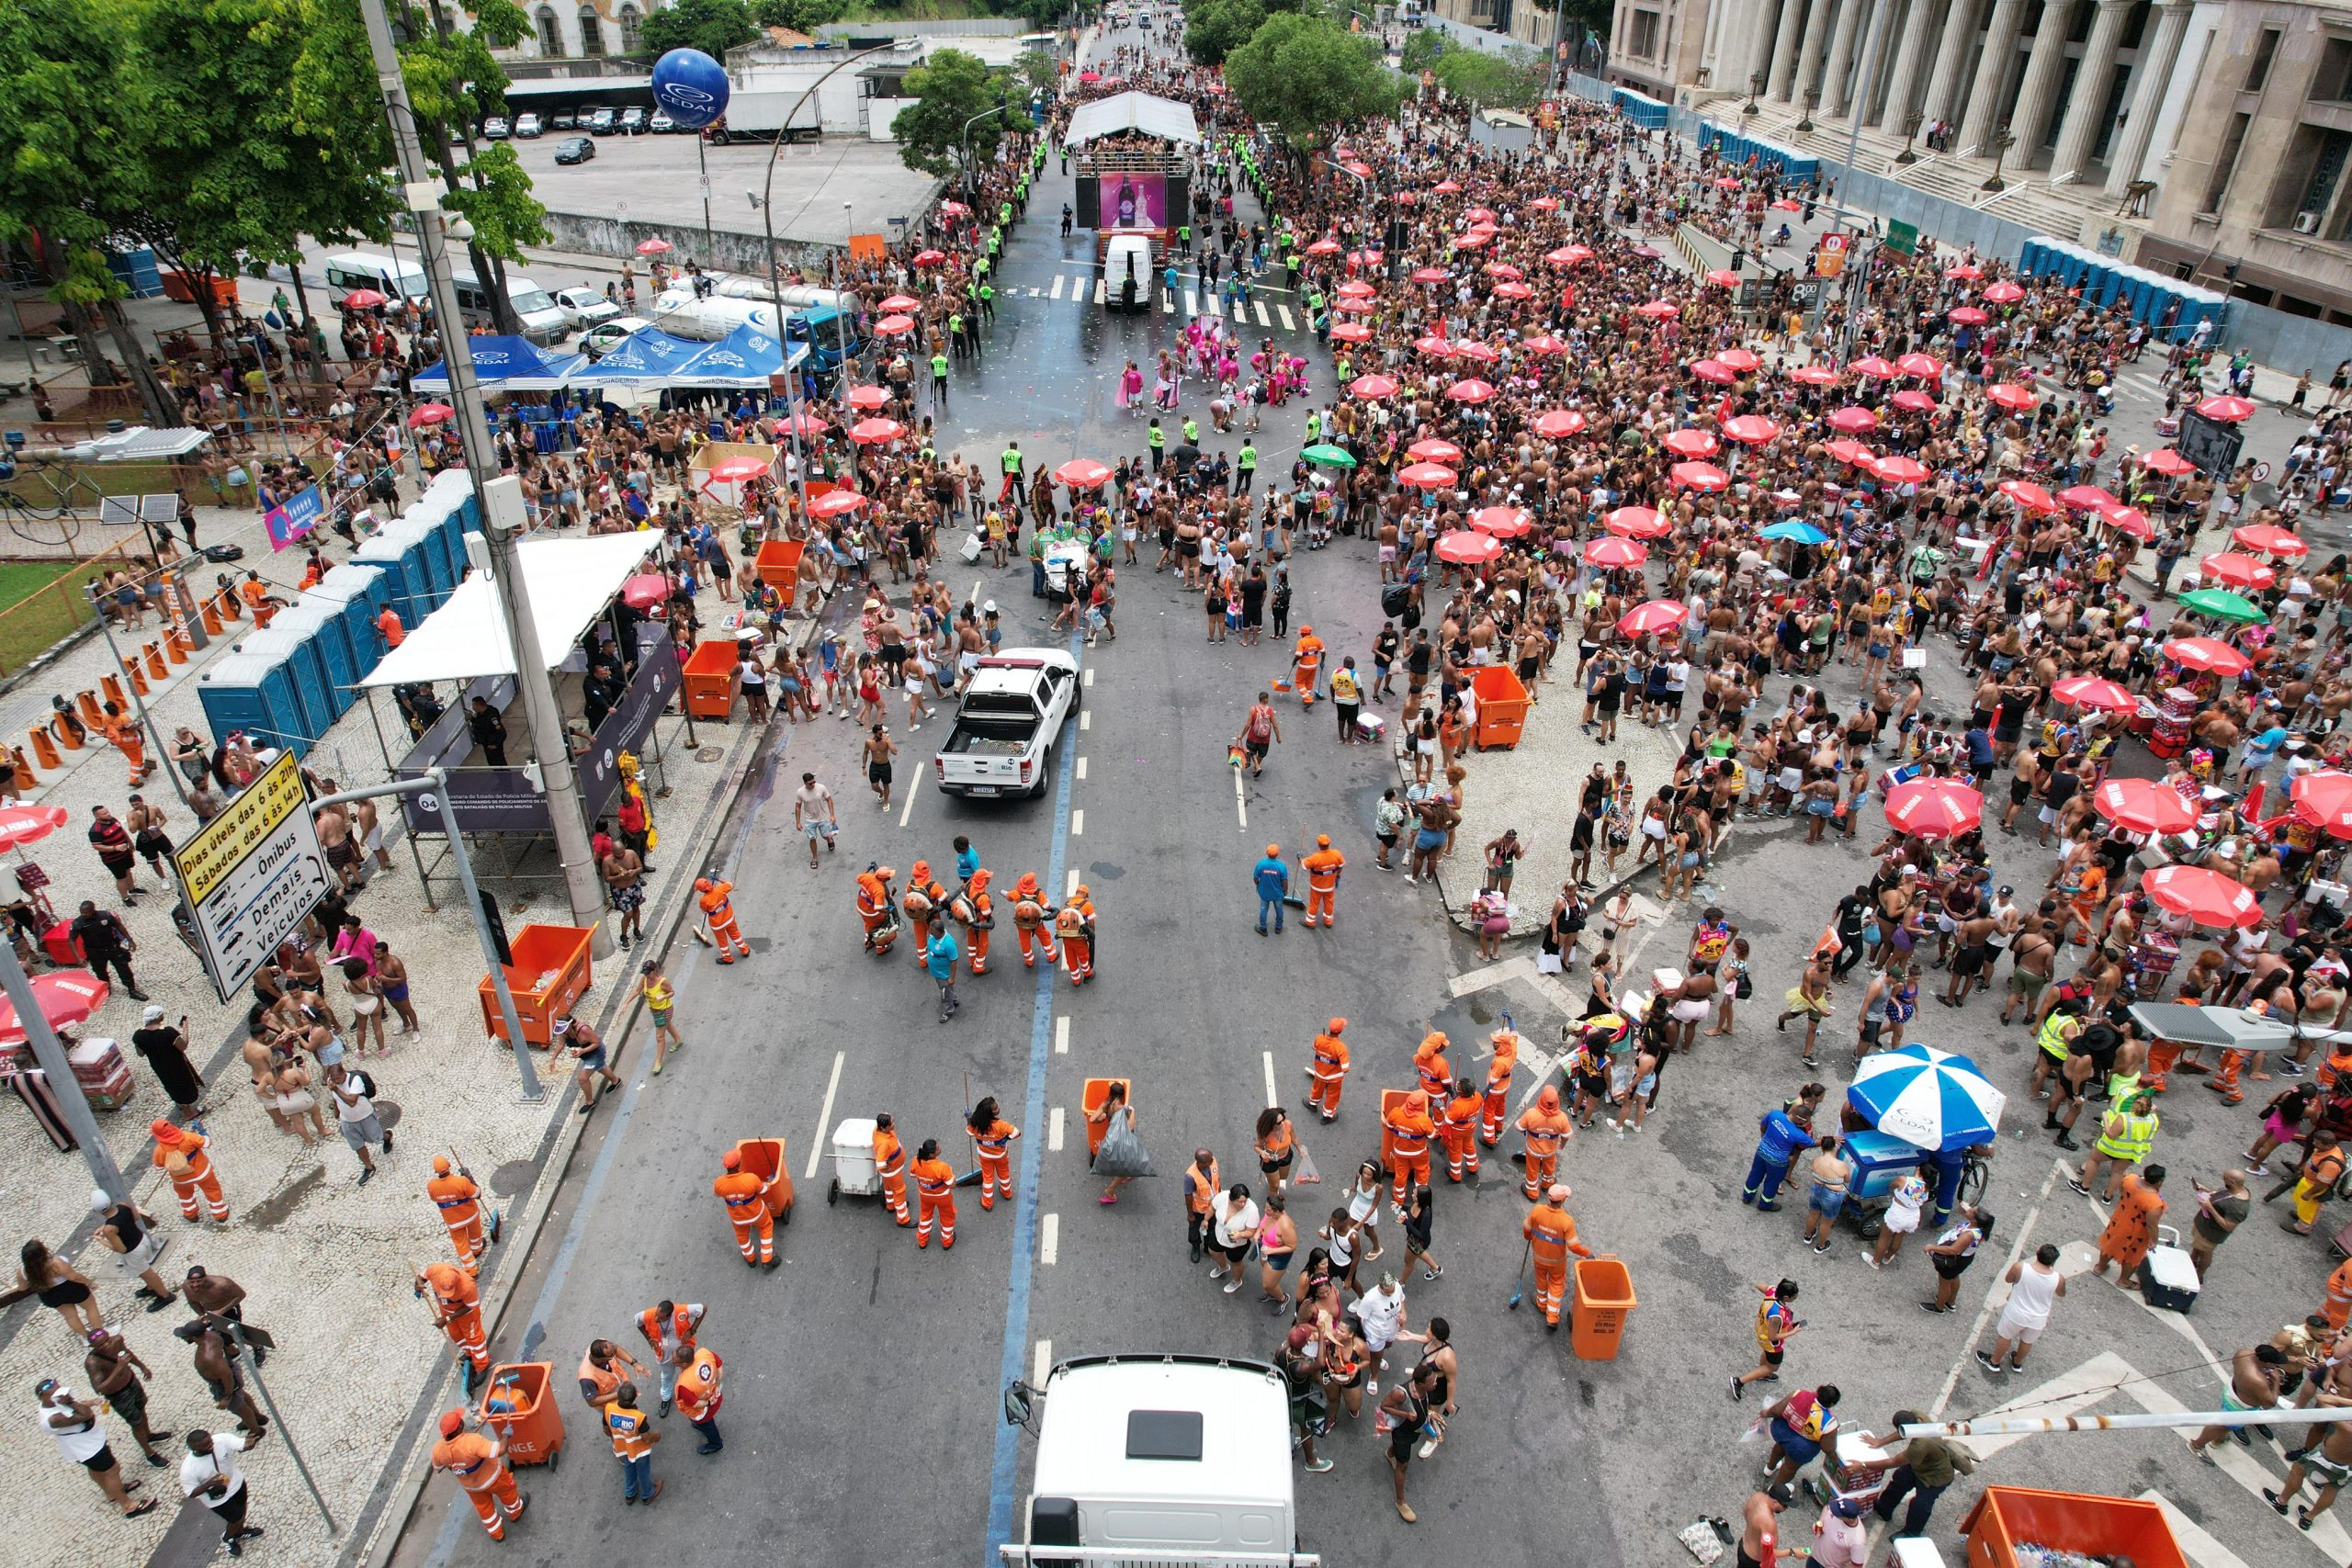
[543,321]
[401,279]
[1128,281]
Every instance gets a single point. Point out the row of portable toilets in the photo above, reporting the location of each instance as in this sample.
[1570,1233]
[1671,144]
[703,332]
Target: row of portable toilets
[286,683]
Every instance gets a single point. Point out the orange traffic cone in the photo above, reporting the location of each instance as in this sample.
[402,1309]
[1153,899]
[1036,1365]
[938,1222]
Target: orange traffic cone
[46,750]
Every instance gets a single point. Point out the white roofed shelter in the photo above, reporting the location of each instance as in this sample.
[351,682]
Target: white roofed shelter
[1122,112]
[570,582]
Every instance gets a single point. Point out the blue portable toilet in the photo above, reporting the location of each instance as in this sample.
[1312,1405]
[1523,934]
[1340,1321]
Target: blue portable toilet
[389,559]
[354,594]
[251,692]
[429,533]
[453,537]
[320,624]
[306,671]
[351,581]
[427,563]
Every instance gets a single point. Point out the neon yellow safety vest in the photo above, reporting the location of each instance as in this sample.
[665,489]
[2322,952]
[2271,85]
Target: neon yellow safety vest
[2051,1039]
[2133,1143]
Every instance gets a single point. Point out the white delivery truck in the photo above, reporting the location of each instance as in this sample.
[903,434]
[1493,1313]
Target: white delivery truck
[1127,280]
[759,116]
[1171,1459]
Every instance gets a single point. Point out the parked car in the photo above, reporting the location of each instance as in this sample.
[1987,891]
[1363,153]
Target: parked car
[605,336]
[660,124]
[601,122]
[495,129]
[564,120]
[526,126]
[1003,738]
[585,306]
[632,121]
[574,149]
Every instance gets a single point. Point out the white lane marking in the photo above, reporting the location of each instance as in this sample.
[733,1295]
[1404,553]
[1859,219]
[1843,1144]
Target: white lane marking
[975,597]
[1061,1024]
[824,1118]
[1054,1131]
[1166,303]
[1077,824]
[1090,677]
[1102,289]
[907,810]
[1260,307]
[1192,303]
[1049,1239]
[1240,802]
[1073,887]
[1492,974]
[1082,770]
[1085,720]
[1056,292]
[1043,1364]
[1998,1293]
[1035,292]
[2195,1544]
[1271,1097]
[1283,312]
[1240,312]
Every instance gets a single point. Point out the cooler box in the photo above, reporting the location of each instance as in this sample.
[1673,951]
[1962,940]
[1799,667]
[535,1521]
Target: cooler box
[549,972]
[1502,707]
[2006,1518]
[1854,1469]
[1370,727]
[711,680]
[764,1158]
[519,1409]
[1880,1160]
[1605,1298]
[1901,775]
[64,949]
[1917,1552]
[853,1168]
[1097,1092]
[2167,1280]
[778,565]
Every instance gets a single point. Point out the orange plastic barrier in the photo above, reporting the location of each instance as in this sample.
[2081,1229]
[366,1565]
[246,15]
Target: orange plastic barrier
[711,680]
[2067,1521]
[1097,1092]
[46,750]
[64,733]
[764,1158]
[1502,707]
[179,646]
[87,702]
[519,1407]
[551,968]
[211,619]
[1604,1296]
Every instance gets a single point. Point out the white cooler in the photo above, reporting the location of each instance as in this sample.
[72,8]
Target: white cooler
[2167,1280]
[854,1156]
[1917,1552]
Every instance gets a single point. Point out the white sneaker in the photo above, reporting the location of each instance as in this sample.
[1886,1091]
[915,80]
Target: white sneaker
[1428,1448]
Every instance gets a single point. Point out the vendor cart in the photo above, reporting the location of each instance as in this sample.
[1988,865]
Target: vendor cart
[854,1172]
[1880,1160]
[1922,1106]
[1851,1467]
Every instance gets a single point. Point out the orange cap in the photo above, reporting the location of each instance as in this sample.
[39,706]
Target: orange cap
[1272,850]
[452,1423]
[1322,840]
[164,1131]
[1337,1025]
[440,1164]
[732,1159]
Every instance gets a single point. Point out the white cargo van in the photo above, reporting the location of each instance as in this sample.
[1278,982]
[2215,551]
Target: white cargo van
[401,279]
[543,321]
[1172,1459]
[1127,282]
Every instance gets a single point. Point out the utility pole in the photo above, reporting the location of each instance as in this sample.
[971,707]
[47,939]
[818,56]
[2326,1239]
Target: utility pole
[498,497]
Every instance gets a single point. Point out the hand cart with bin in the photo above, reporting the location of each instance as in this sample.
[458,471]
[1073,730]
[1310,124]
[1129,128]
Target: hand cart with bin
[521,1408]
[1851,1467]
[854,1172]
[2017,1526]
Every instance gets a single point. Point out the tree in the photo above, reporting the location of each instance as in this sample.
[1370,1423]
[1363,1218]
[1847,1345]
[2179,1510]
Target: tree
[713,27]
[800,16]
[1492,81]
[951,88]
[1037,68]
[1309,75]
[1422,51]
[1220,27]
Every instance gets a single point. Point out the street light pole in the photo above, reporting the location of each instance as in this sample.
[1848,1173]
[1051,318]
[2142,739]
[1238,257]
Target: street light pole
[965,138]
[50,1057]
[499,497]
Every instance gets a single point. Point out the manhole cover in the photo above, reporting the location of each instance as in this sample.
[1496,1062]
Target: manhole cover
[516,1176]
[389,1114]
[708,754]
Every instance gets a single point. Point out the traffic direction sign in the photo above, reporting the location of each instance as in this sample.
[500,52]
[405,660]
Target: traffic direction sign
[251,875]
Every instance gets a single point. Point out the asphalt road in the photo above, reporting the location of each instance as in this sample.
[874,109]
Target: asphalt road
[864,1376]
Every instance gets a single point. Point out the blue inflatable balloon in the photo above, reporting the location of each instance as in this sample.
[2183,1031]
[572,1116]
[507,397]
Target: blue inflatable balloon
[691,87]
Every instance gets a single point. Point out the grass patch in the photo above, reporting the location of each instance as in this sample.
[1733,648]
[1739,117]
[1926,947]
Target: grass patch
[31,619]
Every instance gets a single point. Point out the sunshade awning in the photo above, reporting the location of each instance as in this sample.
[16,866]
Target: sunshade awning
[1122,112]
[501,363]
[570,580]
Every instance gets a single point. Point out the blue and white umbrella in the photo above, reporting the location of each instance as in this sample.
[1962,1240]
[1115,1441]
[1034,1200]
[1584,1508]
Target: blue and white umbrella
[1803,532]
[1937,1099]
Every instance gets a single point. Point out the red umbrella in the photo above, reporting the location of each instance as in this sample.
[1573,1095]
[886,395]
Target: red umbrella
[1615,552]
[1355,307]
[653,247]
[1724,182]
[1426,475]
[1325,247]
[2094,691]
[735,470]
[427,415]
[1702,476]
[2325,800]
[1901,470]
[645,591]
[1788,204]
[2143,806]
[1927,367]
[363,300]
[2027,495]
[1447,187]
[1477,351]
[1851,452]
[65,997]
[1431,275]
[2003,293]
[1872,365]
[2266,540]
[1513,291]
[1568,256]
[1373,387]
[1740,359]
[835,504]
[1814,375]
[1470,391]
[1968,316]
[900,302]
[1555,425]
[1750,429]
[1083,473]
[956,208]
[1471,241]
[1854,418]
[1504,522]
[1545,204]
[804,422]
[1504,270]
[2205,897]
[1466,547]
[2228,410]
[2128,520]
[1724,277]
[1434,347]
[2167,461]
[1658,309]
[1653,617]
[1355,290]
[2086,498]
[894,326]
[2009,395]
[930,258]
[874,432]
[1637,522]
[1934,808]
[1434,449]
[2235,570]
[23,824]
[2210,654]
[1963,272]
[1714,370]
[869,397]
[1545,343]
[1913,399]
[1351,331]
[1693,442]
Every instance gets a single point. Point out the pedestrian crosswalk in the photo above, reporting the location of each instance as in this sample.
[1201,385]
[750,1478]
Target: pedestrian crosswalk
[1086,288]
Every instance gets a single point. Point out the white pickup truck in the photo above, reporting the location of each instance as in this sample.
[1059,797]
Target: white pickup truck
[1003,738]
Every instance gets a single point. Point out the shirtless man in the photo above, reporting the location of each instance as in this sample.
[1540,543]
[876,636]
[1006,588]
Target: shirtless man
[2033,958]
[1972,958]
[392,975]
[1760,1525]
[878,750]
[623,873]
[334,825]
[371,834]
[2255,1376]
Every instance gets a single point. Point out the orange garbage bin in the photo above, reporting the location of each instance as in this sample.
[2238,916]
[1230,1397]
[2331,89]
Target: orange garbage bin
[711,677]
[1097,1092]
[1604,1296]
[1502,707]
[516,1406]
[764,1158]
[1390,1099]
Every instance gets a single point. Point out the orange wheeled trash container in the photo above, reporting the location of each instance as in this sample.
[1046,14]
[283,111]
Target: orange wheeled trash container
[1604,1296]
[2109,1528]
[1502,707]
[1097,1092]
[519,1406]
[764,1158]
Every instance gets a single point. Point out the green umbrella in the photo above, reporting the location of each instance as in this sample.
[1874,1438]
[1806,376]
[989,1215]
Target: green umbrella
[2222,604]
[1335,457]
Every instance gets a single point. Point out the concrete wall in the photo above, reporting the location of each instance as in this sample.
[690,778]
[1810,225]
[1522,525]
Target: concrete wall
[882,113]
[590,234]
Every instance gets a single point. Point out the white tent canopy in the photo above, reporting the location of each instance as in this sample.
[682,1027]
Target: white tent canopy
[1122,112]
[570,582]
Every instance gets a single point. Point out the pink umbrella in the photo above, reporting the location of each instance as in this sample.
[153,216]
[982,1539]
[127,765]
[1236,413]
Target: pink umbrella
[1504,270]
[1503,521]
[1545,343]
[1750,429]
[645,591]
[1704,477]
[2094,691]
[1434,449]
[956,208]
[653,247]
[1637,522]
[1653,617]
[1513,291]
[2235,571]
[2325,800]
[364,300]
[869,397]
[65,997]
[900,302]
[1814,375]
[1555,425]
[1426,475]
[2144,806]
[1371,387]
[1901,470]
[1914,400]
[1083,473]
[427,415]
[1545,204]
[1464,547]
[1739,359]
[874,432]
[1356,290]
[1351,331]
[835,504]
[2086,498]
[2009,395]
[1853,418]
[1470,391]
[930,258]
[1480,214]
[1431,275]
[1714,370]
[803,424]
[2003,293]
[894,326]
[1434,347]
[1568,256]
[1851,452]
[1963,272]
[2228,410]
[1475,351]
[2269,540]
[1325,247]
[2167,461]
[1968,316]
[2207,653]
[1615,553]
[1693,442]
[1924,367]
[2027,495]
[1471,241]
[2128,520]
[1355,306]
[2204,895]
[1724,277]
[1447,187]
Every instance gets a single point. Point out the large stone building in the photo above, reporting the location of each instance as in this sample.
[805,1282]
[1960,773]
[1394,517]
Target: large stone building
[2204,137]
[584,29]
